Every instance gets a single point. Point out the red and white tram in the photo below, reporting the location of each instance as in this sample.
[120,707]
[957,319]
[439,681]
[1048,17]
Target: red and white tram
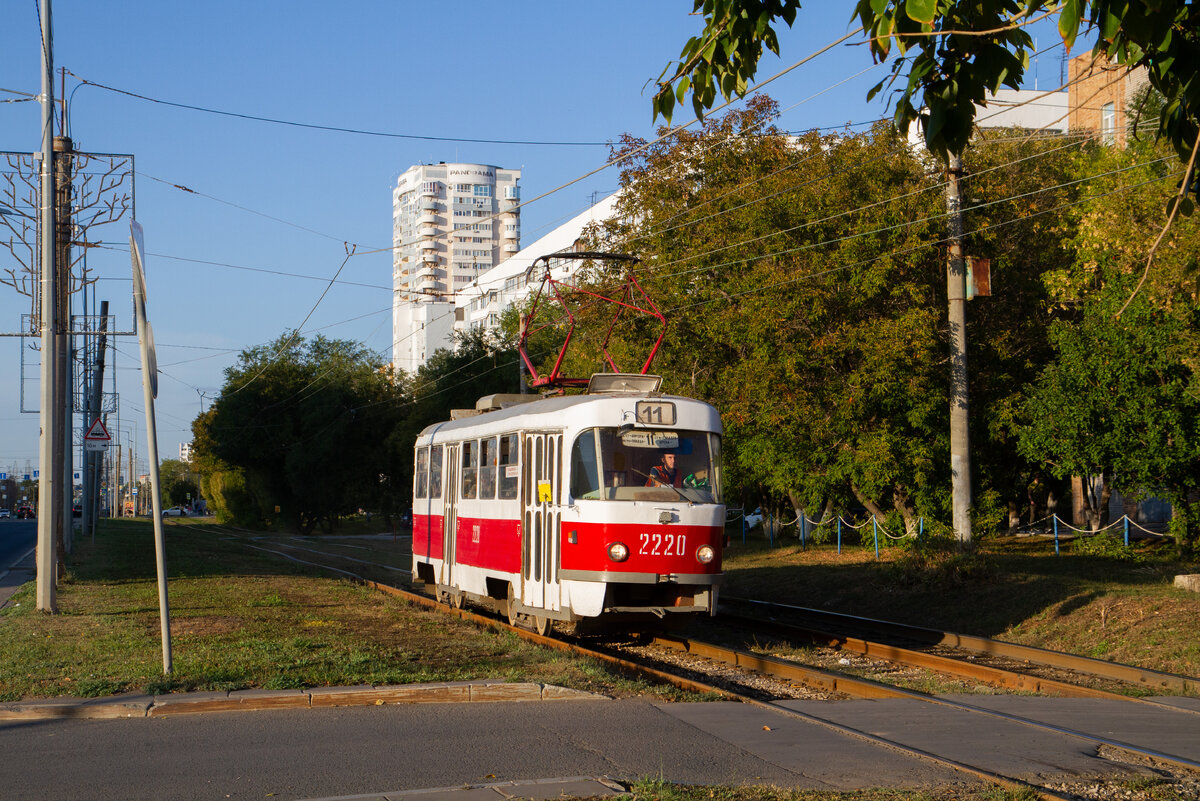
[559,509]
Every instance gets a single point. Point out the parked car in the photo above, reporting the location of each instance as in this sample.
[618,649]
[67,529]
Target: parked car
[5,514]
[76,511]
[175,511]
[25,513]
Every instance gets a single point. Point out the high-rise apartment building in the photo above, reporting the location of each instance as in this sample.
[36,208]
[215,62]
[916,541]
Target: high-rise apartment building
[450,222]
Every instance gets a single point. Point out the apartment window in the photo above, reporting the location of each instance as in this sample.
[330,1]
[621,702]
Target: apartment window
[483,190]
[464,188]
[512,193]
[1108,123]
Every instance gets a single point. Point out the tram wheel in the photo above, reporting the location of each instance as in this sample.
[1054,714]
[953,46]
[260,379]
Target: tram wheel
[543,625]
[457,600]
[511,607]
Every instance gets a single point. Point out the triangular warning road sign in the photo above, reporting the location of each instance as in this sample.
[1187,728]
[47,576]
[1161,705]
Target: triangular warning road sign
[97,432]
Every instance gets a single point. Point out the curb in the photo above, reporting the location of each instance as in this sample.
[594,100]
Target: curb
[538,789]
[144,706]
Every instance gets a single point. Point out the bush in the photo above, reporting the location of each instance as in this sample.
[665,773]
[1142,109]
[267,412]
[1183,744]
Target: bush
[1104,544]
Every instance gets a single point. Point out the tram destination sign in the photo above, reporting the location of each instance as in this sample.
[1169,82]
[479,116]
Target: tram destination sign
[663,440]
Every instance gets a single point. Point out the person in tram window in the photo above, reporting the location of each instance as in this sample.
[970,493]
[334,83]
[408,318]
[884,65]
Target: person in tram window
[665,473]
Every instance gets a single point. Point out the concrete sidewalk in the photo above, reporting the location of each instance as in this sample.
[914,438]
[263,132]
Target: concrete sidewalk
[538,789]
[144,706]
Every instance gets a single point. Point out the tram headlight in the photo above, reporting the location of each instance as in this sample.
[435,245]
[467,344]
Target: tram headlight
[705,554]
[618,552]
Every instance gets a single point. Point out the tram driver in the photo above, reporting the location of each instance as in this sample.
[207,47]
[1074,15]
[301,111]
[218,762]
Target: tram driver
[665,473]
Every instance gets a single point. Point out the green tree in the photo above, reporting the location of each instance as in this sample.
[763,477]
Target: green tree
[176,483]
[302,427]
[1122,401]
[812,336]
[948,54]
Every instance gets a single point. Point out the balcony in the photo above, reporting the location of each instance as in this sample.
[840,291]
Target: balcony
[429,205]
[428,219]
[511,247]
[429,230]
[429,257]
[429,244]
[514,233]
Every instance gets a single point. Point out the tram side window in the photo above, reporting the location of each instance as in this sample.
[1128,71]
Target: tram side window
[422,486]
[487,468]
[585,474]
[470,468]
[435,471]
[510,465]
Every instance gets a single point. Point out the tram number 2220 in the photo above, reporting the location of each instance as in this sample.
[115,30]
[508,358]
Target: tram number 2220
[662,544]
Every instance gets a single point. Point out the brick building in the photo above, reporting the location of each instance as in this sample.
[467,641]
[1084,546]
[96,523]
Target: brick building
[1101,97]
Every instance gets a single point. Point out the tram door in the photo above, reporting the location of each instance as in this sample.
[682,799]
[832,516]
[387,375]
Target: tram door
[540,528]
[450,492]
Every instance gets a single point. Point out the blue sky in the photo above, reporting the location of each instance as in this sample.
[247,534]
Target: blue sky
[285,198]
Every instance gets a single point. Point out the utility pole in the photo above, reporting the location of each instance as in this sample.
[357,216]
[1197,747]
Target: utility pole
[64,524]
[48,411]
[93,460]
[956,292]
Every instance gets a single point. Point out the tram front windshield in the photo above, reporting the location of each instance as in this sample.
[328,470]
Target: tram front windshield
[646,464]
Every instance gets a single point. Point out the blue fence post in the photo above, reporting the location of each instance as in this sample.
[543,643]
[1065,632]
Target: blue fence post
[875,525]
[839,534]
[1126,531]
[1055,519]
[803,525]
[920,528]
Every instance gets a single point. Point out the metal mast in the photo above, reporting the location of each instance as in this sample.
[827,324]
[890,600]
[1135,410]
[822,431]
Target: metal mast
[48,411]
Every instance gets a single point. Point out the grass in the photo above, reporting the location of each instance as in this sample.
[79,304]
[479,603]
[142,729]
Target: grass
[1122,607]
[657,790]
[241,618]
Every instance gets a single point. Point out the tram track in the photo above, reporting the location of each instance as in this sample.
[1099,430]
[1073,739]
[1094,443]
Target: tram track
[1003,664]
[782,670]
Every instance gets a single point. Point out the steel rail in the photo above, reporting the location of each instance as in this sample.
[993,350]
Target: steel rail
[949,665]
[1117,671]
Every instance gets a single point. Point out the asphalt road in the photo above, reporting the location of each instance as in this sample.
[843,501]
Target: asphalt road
[315,753]
[17,538]
[370,751]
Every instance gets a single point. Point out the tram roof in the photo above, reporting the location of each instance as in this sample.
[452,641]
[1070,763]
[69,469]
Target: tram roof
[549,412]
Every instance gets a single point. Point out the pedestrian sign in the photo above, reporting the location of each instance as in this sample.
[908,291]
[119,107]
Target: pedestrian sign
[97,431]
[97,436]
